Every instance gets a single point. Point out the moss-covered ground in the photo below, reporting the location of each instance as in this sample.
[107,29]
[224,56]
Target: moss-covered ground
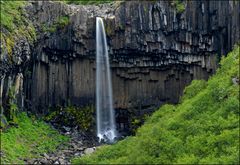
[28,140]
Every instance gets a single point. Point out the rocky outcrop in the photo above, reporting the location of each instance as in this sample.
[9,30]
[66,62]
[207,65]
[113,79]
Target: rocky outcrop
[154,51]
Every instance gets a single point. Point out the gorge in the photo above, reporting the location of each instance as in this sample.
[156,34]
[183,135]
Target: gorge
[48,61]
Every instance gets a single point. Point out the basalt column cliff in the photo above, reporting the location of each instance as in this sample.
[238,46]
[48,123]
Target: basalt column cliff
[154,49]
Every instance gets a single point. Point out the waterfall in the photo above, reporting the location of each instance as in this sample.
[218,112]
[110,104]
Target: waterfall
[106,129]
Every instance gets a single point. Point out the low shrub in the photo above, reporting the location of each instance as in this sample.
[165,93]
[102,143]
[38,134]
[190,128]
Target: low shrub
[72,116]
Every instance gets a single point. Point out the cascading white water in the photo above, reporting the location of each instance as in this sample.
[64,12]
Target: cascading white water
[106,129]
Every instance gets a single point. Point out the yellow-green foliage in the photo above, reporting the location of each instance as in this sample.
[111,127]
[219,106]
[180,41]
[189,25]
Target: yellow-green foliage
[11,16]
[192,90]
[11,112]
[14,21]
[145,9]
[3,122]
[60,23]
[63,21]
[29,140]
[1,42]
[109,30]
[9,44]
[203,129]
[137,121]
[28,32]
[83,116]
[73,116]
[178,5]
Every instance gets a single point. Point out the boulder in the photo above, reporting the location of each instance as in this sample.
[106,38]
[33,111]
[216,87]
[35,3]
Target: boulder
[88,151]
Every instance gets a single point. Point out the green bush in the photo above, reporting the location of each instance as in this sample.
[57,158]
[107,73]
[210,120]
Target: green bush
[60,23]
[13,113]
[83,117]
[136,121]
[179,5]
[72,116]
[202,129]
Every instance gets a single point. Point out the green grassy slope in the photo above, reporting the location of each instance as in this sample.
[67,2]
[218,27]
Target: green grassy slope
[11,14]
[14,24]
[29,140]
[203,128]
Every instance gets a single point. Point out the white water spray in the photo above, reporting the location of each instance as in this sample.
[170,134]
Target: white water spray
[106,129]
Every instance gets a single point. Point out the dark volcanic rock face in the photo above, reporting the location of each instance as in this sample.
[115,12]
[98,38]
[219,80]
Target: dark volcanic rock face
[154,51]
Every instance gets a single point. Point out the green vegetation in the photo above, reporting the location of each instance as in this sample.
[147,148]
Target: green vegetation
[73,116]
[193,89]
[29,140]
[179,5]
[3,122]
[11,112]
[203,128]
[14,21]
[87,2]
[108,29]
[9,115]
[59,24]
[11,16]
[137,121]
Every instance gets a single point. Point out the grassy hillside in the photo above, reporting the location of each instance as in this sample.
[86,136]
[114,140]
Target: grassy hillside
[11,14]
[203,128]
[29,140]
[14,24]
